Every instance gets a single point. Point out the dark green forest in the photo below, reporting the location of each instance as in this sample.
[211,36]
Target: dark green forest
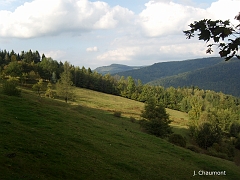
[212,114]
[165,69]
[222,77]
[206,73]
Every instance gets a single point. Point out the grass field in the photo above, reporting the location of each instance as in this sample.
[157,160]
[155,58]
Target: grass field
[45,139]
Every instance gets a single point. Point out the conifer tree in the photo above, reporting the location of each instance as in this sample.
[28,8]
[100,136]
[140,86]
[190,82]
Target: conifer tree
[157,119]
[38,86]
[64,85]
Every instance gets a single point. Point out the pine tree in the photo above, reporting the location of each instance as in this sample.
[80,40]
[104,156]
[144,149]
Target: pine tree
[64,85]
[38,86]
[157,119]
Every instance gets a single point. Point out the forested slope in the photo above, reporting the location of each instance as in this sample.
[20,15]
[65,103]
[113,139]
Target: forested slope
[115,68]
[222,77]
[164,69]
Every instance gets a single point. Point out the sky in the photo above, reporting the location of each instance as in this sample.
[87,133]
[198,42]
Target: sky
[99,33]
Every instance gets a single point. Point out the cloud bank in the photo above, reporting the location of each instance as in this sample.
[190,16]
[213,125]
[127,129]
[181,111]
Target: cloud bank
[44,17]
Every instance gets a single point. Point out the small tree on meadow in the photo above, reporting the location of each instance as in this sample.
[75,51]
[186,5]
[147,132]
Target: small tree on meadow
[49,91]
[65,85]
[157,120]
[10,87]
[38,86]
[208,134]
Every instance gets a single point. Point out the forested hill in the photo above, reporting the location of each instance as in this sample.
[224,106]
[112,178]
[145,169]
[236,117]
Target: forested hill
[115,68]
[164,69]
[222,77]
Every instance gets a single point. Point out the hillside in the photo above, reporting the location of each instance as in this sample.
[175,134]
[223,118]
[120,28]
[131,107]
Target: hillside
[164,69]
[44,138]
[222,77]
[115,68]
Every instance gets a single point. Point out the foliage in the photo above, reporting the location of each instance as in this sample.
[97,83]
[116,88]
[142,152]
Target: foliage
[38,86]
[157,119]
[13,69]
[49,92]
[10,87]
[224,150]
[64,85]
[177,139]
[237,144]
[218,31]
[207,135]
[234,129]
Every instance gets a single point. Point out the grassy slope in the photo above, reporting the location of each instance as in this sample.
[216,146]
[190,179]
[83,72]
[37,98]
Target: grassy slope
[48,139]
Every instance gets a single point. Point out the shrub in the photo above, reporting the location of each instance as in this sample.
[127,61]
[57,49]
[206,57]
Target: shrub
[224,150]
[234,129]
[212,152]
[207,134]
[10,87]
[117,114]
[177,139]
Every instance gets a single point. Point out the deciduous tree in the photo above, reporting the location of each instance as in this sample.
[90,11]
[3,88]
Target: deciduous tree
[218,31]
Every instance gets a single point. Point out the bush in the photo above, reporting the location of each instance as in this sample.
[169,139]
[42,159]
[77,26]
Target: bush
[177,139]
[10,87]
[212,152]
[207,134]
[234,129]
[117,114]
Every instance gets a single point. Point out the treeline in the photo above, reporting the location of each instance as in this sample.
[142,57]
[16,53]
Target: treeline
[31,66]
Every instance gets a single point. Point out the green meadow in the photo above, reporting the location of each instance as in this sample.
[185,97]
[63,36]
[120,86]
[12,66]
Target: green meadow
[42,138]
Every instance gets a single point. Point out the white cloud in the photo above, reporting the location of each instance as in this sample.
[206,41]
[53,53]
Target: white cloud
[56,55]
[44,17]
[165,17]
[224,9]
[119,54]
[92,49]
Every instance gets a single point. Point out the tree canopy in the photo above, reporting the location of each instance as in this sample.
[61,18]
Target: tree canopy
[223,34]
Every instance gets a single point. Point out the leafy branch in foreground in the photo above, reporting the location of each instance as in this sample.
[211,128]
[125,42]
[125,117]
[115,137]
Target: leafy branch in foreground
[218,31]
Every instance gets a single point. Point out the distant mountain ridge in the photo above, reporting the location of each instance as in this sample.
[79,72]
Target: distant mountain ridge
[222,77]
[115,68]
[206,73]
[165,69]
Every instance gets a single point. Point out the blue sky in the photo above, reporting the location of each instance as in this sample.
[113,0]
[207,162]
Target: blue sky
[97,33]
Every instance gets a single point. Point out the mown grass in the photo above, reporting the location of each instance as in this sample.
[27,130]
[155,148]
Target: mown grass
[43,138]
